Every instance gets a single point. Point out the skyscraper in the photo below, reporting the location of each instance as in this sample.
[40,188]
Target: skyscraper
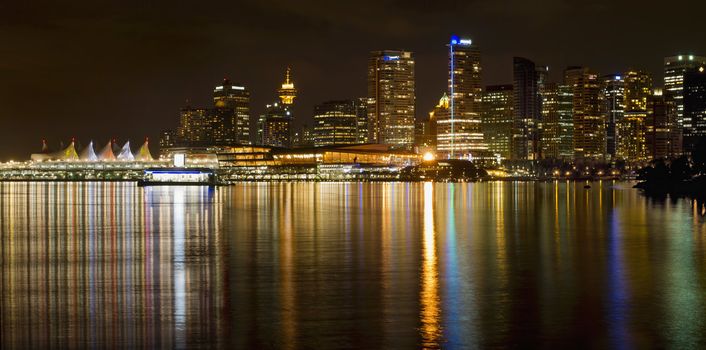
[460,135]
[694,108]
[498,119]
[661,126]
[631,130]
[232,113]
[565,107]
[392,98]
[194,126]
[614,99]
[589,127]
[336,123]
[674,69]
[527,78]
[361,111]
[274,127]
[557,122]
[220,128]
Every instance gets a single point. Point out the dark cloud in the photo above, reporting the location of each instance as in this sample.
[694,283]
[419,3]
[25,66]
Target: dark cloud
[102,69]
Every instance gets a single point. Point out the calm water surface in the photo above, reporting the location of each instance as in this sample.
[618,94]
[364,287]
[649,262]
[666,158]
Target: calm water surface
[331,265]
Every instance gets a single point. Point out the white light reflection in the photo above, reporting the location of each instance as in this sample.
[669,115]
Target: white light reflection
[179,269]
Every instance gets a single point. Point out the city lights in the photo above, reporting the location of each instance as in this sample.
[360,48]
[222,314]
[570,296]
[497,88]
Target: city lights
[428,156]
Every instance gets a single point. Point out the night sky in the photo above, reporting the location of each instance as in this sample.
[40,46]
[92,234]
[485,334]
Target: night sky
[98,70]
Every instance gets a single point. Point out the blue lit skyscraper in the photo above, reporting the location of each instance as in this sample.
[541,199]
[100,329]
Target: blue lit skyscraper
[460,135]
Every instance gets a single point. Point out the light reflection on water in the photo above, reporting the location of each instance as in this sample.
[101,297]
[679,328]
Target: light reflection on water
[429,296]
[349,265]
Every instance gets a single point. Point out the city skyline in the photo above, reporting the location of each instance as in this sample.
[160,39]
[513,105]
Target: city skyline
[232,101]
[141,71]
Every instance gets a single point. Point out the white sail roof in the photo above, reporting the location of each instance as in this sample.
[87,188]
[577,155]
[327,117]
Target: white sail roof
[88,153]
[126,153]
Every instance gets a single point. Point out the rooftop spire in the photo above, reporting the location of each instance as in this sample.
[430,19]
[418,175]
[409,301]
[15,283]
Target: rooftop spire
[287,93]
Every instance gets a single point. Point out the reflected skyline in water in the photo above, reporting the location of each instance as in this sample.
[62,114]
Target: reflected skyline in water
[350,265]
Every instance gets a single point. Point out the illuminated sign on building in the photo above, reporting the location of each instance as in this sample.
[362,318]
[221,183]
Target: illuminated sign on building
[179,160]
[455,40]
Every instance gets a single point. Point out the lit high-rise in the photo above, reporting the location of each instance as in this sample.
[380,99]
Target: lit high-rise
[232,127]
[361,111]
[614,99]
[674,69]
[392,98]
[694,109]
[661,126]
[498,119]
[336,123]
[631,139]
[194,126]
[589,137]
[460,135]
[274,127]
[527,78]
[557,121]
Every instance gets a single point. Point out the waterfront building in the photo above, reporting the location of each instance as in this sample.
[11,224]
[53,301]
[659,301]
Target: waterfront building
[230,122]
[459,135]
[527,79]
[674,69]
[694,121]
[589,137]
[498,119]
[89,155]
[614,99]
[391,90]
[336,123]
